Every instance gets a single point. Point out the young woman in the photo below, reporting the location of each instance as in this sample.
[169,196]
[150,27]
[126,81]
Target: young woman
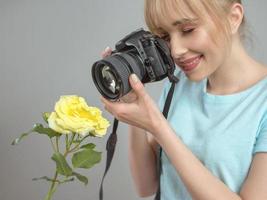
[215,139]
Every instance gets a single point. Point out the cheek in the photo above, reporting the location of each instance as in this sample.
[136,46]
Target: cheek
[202,42]
[205,45]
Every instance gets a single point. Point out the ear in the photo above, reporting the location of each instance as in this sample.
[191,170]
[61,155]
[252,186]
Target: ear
[235,17]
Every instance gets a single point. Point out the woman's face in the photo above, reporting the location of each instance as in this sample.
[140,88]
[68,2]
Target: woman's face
[192,47]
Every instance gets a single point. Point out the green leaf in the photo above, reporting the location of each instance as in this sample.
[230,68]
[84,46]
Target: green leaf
[62,165]
[88,146]
[43,178]
[39,128]
[67,180]
[46,116]
[86,158]
[81,178]
[17,140]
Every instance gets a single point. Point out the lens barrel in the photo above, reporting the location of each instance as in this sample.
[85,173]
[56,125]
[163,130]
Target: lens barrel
[111,74]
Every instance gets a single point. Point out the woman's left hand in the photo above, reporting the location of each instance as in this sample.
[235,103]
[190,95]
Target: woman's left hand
[141,111]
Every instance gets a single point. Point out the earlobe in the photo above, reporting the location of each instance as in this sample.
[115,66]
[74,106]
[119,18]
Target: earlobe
[236,16]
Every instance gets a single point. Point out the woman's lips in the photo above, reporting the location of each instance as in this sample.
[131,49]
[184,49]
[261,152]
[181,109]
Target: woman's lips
[190,64]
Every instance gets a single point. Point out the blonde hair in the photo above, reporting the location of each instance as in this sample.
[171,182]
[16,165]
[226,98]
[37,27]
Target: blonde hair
[156,11]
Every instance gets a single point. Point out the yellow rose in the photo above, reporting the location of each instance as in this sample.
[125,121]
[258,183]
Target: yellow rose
[73,115]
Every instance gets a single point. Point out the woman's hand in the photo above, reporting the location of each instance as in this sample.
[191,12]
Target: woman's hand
[138,109]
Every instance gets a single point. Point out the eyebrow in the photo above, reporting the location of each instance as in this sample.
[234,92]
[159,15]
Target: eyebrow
[184,21]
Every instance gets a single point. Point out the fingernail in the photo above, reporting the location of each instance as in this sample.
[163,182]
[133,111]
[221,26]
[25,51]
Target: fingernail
[107,48]
[134,78]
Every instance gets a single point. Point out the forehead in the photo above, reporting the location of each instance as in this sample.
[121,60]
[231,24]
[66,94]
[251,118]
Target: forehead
[174,12]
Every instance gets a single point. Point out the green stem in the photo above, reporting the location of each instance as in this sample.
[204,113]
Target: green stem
[52,188]
[53,146]
[66,141]
[57,146]
[74,148]
[54,183]
[69,145]
[72,138]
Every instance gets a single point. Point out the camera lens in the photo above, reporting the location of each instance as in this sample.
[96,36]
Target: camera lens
[111,74]
[109,80]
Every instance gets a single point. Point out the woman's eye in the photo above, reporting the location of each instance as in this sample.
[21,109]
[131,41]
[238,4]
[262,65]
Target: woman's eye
[186,31]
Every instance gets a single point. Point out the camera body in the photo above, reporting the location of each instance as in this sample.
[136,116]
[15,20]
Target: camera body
[140,52]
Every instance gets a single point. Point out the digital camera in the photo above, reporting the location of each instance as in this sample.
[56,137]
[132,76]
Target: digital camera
[140,52]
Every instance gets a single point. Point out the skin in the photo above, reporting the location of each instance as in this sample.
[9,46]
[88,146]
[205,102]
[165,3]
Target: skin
[228,72]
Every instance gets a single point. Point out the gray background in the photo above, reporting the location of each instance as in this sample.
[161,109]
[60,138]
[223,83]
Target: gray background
[46,50]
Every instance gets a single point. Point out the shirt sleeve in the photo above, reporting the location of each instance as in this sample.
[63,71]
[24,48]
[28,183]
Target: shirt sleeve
[261,139]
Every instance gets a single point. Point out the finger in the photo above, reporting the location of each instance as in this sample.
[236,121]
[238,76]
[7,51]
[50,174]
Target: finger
[106,105]
[129,98]
[105,101]
[109,105]
[117,109]
[137,86]
[106,52]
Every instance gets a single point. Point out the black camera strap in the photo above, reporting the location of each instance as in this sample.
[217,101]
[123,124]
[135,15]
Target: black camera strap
[112,140]
[110,147]
[165,114]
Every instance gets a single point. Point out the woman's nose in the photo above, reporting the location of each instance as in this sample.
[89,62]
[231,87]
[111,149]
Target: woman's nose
[178,48]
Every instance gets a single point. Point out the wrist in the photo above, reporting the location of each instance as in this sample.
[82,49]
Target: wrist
[163,132]
[158,126]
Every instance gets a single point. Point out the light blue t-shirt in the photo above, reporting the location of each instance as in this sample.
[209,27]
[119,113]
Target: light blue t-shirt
[222,131]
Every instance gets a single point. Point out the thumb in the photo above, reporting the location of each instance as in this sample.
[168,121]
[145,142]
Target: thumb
[137,85]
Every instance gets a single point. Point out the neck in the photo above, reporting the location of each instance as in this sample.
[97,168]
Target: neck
[238,72]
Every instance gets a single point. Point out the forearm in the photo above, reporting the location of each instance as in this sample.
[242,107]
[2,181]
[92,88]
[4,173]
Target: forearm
[142,162]
[199,181]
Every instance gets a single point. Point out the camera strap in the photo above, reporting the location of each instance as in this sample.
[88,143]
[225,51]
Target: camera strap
[165,114]
[112,140]
[110,147]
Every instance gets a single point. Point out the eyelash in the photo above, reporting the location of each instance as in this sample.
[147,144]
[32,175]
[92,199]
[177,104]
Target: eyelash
[188,31]
[184,32]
